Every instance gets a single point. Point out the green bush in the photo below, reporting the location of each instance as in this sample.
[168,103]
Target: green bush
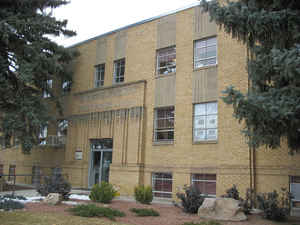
[275,207]
[55,184]
[143,194]
[10,205]
[103,193]
[235,194]
[191,200]
[211,222]
[144,212]
[92,210]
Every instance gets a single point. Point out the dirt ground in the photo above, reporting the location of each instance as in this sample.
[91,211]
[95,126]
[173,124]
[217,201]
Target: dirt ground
[169,214]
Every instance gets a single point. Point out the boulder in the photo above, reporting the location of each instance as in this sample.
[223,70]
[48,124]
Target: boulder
[53,199]
[221,209]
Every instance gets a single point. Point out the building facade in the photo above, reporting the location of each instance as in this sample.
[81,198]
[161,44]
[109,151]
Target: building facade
[145,108]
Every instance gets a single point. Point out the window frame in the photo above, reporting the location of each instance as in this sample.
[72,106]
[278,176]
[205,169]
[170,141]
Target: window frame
[195,60]
[11,176]
[293,183]
[62,123]
[1,170]
[43,135]
[205,129]
[204,181]
[48,86]
[66,86]
[117,77]
[153,179]
[155,129]
[158,68]
[99,73]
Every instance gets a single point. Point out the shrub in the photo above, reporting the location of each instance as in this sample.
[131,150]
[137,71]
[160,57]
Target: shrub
[274,208]
[92,210]
[235,194]
[232,193]
[144,212]
[211,222]
[10,205]
[143,194]
[191,200]
[103,193]
[55,184]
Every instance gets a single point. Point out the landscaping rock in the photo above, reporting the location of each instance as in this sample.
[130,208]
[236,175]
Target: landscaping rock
[53,199]
[221,209]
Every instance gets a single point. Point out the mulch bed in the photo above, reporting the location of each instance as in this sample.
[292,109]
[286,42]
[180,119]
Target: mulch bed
[169,214]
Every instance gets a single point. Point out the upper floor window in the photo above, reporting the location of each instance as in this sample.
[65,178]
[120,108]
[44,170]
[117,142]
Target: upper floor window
[2,142]
[43,135]
[66,86]
[62,128]
[1,170]
[166,60]
[206,122]
[99,75]
[119,70]
[205,52]
[49,85]
[164,124]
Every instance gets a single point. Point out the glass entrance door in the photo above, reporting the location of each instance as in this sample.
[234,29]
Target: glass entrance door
[105,164]
[100,160]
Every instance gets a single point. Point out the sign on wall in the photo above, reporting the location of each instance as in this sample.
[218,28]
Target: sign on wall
[78,154]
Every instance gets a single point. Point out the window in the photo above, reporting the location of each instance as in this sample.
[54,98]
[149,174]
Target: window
[43,135]
[119,71]
[166,60]
[66,86]
[162,185]
[5,141]
[56,171]
[205,183]
[2,142]
[1,170]
[62,128]
[295,190]
[11,172]
[36,175]
[164,124]
[99,75]
[206,122]
[46,93]
[205,52]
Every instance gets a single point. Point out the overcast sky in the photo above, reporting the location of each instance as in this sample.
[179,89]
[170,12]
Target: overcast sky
[90,18]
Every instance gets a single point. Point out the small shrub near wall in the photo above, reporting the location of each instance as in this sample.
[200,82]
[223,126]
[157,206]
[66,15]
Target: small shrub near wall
[235,194]
[103,192]
[143,194]
[55,184]
[191,199]
[275,207]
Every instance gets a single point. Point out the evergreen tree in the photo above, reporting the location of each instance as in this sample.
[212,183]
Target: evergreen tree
[28,59]
[271,31]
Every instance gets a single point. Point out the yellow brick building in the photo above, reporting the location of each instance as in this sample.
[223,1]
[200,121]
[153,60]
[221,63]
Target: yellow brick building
[145,108]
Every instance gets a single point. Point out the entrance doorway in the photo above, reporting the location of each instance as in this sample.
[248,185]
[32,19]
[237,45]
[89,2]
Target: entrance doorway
[100,160]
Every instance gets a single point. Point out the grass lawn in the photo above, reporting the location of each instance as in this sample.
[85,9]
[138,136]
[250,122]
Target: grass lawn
[32,218]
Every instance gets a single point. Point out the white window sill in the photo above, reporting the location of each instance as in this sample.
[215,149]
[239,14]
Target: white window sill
[205,67]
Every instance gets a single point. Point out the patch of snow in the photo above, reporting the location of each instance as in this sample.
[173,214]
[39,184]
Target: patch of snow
[79,197]
[28,199]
